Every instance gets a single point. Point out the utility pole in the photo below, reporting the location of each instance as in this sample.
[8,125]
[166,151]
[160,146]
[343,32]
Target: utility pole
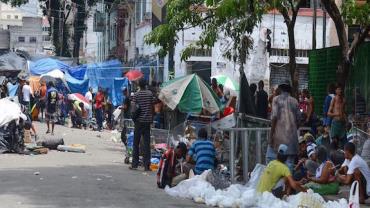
[314,24]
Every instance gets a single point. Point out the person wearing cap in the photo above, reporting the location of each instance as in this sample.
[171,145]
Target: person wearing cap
[284,125]
[323,181]
[277,178]
[311,164]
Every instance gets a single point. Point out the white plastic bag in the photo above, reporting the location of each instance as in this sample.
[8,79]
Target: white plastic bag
[354,198]
[255,176]
[117,113]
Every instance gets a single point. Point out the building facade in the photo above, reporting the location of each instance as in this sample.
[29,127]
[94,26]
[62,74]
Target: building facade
[31,36]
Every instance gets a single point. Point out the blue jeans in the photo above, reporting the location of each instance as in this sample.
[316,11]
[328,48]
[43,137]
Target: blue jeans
[271,155]
[99,118]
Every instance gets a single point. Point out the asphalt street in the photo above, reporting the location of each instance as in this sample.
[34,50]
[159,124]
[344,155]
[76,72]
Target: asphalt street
[97,178]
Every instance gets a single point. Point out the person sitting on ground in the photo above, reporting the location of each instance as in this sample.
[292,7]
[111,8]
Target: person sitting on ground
[203,152]
[78,115]
[277,178]
[336,154]
[324,139]
[355,168]
[300,169]
[167,174]
[323,182]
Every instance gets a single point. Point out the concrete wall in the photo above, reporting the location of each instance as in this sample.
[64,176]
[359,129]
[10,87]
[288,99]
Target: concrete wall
[32,28]
[258,63]
[4,39]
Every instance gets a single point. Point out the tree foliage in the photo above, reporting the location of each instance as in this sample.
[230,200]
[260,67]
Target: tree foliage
[219,19]
[350,13]
[289,10]
[14,3]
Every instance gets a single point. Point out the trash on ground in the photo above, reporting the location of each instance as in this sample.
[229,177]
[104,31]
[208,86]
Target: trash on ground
[36,173]
[78,148]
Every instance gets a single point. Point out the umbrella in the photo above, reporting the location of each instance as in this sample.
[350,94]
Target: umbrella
[134,75]
[80,98]
[227,82]
[190,94]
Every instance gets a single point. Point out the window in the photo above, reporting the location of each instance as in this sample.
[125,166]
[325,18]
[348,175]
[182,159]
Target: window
[8,16]
[15,16]
[46,38]
[21,39]
[46,29]
[33,40]
[207,52]
[285,52]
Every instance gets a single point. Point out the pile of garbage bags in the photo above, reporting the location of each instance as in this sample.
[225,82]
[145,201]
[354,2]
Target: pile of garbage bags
[201,191]
[11,127]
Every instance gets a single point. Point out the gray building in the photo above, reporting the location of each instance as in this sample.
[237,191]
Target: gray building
[30,37]
[4,39]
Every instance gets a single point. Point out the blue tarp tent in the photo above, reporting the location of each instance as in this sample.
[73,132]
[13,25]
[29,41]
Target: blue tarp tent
[119,85]
[46,65]
[75,85]
[78,72]
[105,75]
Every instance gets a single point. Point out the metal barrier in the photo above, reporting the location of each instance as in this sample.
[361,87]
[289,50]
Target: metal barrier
[245,134]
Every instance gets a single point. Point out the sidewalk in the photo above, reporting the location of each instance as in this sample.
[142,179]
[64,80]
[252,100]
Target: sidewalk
[344,193]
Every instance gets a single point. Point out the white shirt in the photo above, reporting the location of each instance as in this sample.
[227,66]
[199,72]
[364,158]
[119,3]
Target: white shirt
[26,90]
[88,96]
[358,162]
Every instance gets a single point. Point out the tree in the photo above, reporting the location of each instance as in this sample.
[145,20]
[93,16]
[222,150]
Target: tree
[227,19]
[289,10]
[57,15]
[14,3]
[351,13]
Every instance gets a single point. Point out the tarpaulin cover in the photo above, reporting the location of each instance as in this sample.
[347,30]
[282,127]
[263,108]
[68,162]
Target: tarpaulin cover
[12,89]
[11,61]
[103,75]
[46,65]
[78,72]
[119,85]
[34,83]
[75,85]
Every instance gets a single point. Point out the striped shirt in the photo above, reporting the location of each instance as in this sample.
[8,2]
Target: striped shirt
[144,98]
[204,153]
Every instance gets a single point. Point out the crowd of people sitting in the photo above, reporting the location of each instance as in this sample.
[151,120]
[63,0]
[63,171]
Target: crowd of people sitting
[321,159]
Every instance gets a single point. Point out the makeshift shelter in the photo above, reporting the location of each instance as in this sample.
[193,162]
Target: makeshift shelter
[34,83]
[76,85]
[104,75]
[78,72]
[47,65]
[11,64]
[11,130]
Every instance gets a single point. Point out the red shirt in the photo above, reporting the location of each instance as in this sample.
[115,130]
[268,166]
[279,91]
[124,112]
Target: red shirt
[99,99]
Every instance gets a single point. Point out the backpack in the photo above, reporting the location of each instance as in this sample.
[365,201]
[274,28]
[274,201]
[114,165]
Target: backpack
[165,169]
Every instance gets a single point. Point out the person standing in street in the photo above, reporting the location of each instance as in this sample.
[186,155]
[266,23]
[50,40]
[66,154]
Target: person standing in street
[89,97]
[143,100]
[262,101]
[26,92]
[284,126]
[337,113]
[51,107]
[99,99]
[42,104]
